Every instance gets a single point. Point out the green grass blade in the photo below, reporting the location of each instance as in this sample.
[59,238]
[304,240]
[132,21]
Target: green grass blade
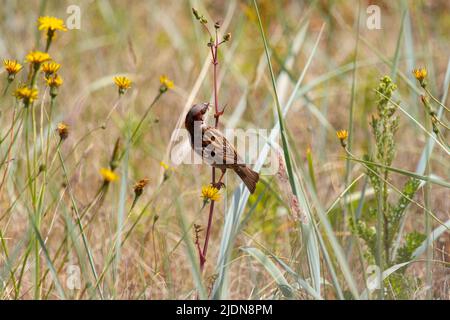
[48,259]
[272,269]
[436,233]
[410,174]
[240,197]
[308,233]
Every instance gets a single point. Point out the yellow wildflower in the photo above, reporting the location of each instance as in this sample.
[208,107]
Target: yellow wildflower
[63,130]
[37,57]
[123,83]
[210,193]
[108,175]
[420,74]
[50,68]
[54,81]
[166,168]
[342,136]
[166,83]
[12,67]
[26,94]
[164,165]
[51,24]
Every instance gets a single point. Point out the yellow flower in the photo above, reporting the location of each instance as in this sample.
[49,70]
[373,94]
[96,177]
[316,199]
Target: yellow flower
[54,81]
[26,94]
[108,175]
[164,165]
[51,24]
[123,83]
[420,74]
[50,68]
[210,193]
[139,186]
[63,130]
[342,136]
[166,83]
[12,67]
[37,57]
[166,168]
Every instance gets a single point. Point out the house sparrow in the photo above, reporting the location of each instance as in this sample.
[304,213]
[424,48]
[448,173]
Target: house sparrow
[215,148]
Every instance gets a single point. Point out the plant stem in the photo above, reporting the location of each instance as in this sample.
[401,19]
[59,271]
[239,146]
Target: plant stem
[435,100]
[130,141]
[8,83]
[8,152]
[215,62]
[428,224]
[208,232]
[348,164]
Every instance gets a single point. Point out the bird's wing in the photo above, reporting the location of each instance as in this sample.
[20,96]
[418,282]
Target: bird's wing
[217,149]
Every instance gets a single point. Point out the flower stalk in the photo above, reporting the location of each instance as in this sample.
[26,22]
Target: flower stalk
[214,45]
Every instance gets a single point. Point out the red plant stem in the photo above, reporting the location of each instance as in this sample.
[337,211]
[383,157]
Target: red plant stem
[216,97]
[208,232]
[216,116]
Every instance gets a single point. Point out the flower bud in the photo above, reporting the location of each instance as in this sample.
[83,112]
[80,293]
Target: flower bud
[227,37]
[196,14]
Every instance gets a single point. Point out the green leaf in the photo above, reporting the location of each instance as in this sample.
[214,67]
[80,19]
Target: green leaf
[285,288]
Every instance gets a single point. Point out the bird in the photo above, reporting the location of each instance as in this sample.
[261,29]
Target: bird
[215,149]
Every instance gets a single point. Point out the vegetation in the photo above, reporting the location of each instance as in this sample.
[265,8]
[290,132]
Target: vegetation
[97,200]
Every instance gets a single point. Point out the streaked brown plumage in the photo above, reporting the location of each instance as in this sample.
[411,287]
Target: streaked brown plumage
[216,146]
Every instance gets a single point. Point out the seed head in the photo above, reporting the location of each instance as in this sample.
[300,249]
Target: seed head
[63,130]
[139,187]
[227,37]
[297,213]
[196,14]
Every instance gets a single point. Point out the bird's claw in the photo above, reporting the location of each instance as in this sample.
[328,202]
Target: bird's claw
[220,113]
[219,185]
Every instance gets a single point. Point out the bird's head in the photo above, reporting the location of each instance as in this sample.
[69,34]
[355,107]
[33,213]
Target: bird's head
[196,113]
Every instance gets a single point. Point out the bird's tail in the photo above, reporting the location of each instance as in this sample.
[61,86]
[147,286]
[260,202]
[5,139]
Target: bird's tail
[248,176]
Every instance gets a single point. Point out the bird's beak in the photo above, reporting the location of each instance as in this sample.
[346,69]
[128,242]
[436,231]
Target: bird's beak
[206,107]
